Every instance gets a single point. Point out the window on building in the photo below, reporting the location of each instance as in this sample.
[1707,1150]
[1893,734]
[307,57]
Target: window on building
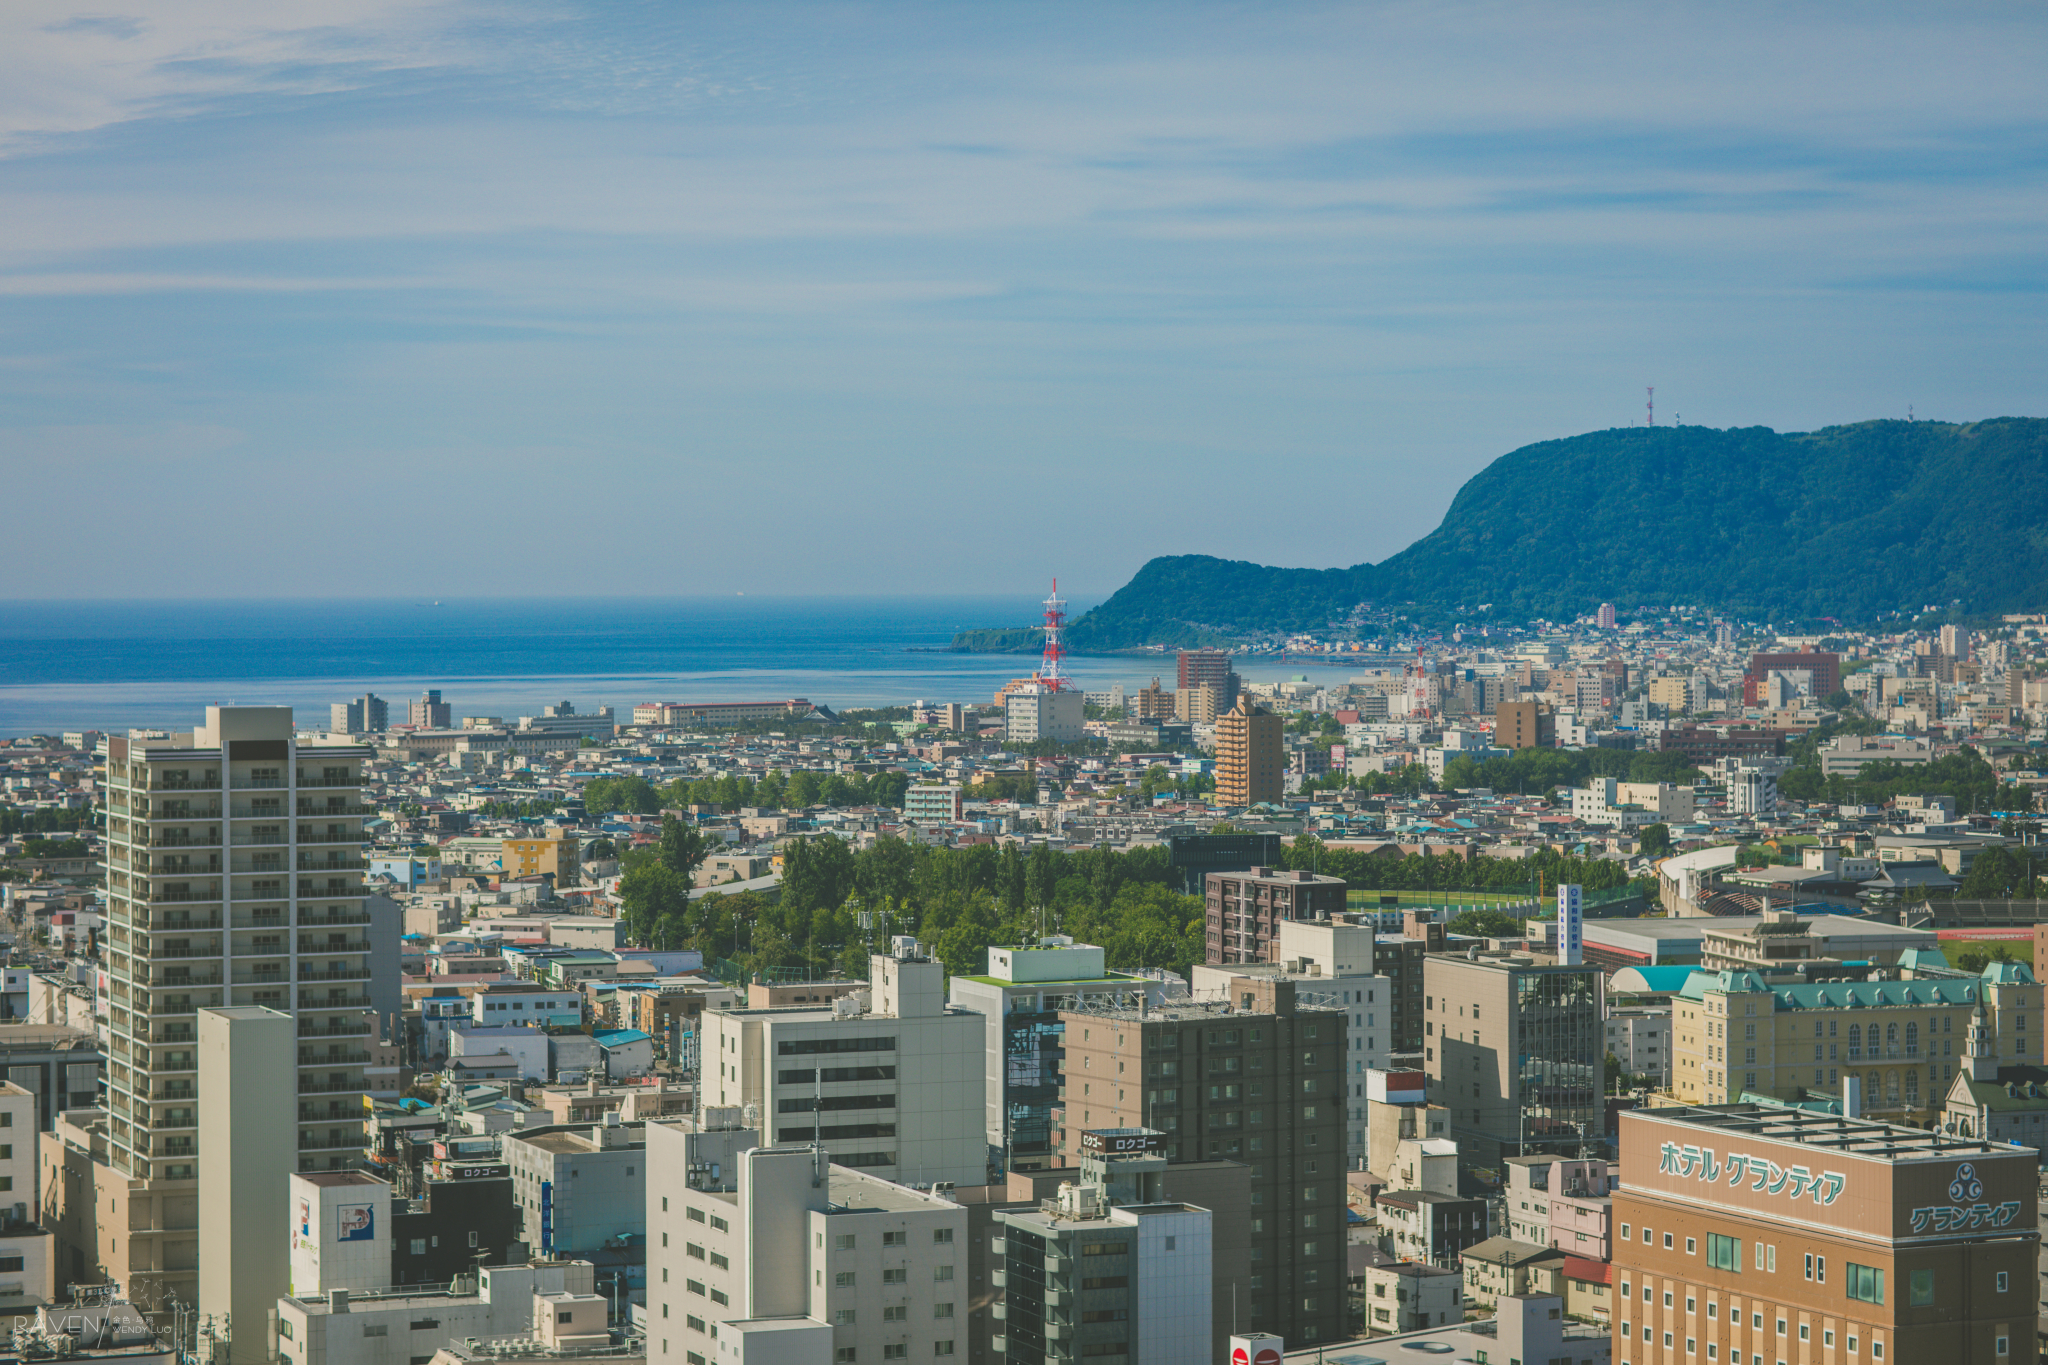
[1866,1283]
[1724,1253]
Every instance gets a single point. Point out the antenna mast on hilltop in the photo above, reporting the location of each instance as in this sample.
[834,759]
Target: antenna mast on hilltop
[1651,403]
[1055,621]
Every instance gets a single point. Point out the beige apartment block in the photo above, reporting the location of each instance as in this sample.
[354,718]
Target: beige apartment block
[234,878]
[1251,758]
[112,1228]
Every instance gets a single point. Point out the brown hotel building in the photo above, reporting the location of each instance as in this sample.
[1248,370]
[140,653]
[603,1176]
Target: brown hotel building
[1753,1236]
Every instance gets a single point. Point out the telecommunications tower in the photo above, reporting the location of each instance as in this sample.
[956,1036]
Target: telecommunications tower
[1049,675]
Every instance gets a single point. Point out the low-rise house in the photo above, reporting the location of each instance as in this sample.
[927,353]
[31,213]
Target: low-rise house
[1589,1290]
[1503,1266]
[1407,1297]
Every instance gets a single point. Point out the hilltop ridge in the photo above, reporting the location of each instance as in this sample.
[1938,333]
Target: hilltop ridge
[1846,522]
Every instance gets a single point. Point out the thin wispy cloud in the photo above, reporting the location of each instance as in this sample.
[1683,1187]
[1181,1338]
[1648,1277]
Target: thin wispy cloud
[835,255]
[64,72]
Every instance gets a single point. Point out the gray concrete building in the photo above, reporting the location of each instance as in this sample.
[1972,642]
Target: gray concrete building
[1516,1052]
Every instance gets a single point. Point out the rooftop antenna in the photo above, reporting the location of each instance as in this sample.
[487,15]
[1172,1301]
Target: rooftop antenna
[1651,403]
[1909,412]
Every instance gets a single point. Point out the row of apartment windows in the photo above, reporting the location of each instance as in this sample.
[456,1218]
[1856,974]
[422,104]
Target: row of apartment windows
[847,1317]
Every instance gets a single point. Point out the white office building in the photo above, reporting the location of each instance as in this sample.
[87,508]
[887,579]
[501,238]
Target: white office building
[400,1326]
[1752,791]
[894,1085]
[1036,712]
[1639,1036]
[752,1250]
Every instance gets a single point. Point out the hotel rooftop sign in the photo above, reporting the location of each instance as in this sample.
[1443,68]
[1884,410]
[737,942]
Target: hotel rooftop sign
[1849,1176]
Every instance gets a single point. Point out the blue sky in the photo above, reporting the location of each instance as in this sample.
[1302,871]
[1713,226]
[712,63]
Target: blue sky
[952,297]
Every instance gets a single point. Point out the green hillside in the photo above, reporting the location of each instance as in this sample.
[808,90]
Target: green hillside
[1848,522]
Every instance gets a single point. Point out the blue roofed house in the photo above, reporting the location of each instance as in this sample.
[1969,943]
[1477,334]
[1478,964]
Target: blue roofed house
[628,1053]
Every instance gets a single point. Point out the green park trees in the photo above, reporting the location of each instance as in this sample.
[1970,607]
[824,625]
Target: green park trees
[837,904]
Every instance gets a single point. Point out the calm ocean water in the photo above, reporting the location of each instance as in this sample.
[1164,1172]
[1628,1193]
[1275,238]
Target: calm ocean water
[113,665]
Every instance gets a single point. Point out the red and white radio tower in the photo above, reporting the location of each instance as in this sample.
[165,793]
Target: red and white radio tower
[1055,620]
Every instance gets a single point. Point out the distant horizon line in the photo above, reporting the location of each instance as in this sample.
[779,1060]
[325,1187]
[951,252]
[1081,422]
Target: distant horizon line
[1025,593]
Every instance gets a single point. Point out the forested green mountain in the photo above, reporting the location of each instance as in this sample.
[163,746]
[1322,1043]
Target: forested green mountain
[1847,522]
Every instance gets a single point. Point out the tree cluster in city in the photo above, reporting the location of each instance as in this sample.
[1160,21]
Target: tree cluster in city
[1392,870]
[46,819]
[837,904]
[794,790]
[1964,775]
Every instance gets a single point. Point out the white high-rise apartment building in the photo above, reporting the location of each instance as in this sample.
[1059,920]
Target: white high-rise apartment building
[773,1253]
[894,1086]
[234,877]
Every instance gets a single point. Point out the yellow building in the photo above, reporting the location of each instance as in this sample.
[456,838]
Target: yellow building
[1732,1033]
[556,855]
[1250,756]
[1673,691]
[1197,703]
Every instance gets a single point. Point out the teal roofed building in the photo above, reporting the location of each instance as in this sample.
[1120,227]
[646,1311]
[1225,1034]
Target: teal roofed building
[1905,1040]
[1649,981]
